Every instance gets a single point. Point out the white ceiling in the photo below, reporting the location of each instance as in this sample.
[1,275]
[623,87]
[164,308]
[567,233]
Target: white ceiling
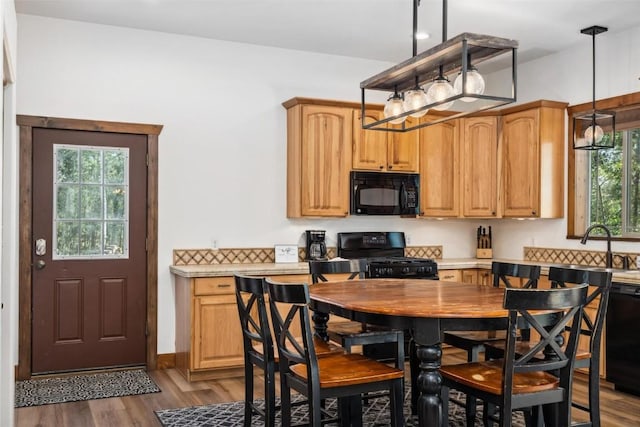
[373,29]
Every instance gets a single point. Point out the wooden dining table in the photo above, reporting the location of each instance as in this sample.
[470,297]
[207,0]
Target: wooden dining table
[426,308]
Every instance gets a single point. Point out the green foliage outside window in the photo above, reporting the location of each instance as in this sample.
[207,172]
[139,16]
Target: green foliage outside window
[90,201]
[614,191]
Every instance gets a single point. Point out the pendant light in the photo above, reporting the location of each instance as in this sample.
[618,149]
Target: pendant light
[474,83]
[459,55]
[594,129]
[394,107]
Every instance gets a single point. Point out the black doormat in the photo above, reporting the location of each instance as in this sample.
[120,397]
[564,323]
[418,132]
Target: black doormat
[46,391]
[375,413]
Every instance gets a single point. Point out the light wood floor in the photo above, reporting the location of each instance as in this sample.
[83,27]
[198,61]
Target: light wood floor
[618,409]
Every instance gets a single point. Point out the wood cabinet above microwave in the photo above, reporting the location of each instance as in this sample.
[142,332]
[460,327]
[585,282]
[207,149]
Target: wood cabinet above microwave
[376,150]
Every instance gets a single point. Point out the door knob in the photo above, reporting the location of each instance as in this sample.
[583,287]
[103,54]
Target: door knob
[40,264]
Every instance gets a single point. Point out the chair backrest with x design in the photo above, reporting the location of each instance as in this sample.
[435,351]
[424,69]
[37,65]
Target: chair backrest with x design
[258,345]
[598,298]
[503,272]
[318,269]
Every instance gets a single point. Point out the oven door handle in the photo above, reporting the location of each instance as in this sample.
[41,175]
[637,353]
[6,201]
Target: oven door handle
[628,290]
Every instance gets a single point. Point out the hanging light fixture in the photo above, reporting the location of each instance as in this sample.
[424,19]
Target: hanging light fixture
[474,83]
[394,107]
[461,54]
[594,129]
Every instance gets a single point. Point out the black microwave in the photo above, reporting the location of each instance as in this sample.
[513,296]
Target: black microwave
[378,193]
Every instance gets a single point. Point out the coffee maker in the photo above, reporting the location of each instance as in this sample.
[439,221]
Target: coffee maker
[316,247]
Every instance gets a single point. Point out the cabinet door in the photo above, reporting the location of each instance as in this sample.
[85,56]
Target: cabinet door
[402,149]
[520,164]
[217,337]
[479,167]
[470,276]
[369,146]
[439,170]
[326,160]
[485,278]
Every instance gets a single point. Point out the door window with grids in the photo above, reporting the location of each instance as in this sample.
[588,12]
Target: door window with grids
[91,202]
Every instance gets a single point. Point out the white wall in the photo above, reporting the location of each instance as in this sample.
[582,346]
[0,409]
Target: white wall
[222,163]
[8,209]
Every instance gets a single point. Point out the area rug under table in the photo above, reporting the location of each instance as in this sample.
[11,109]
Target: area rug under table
[376,413]
[83,387]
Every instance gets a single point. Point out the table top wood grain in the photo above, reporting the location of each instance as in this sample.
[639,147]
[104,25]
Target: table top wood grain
[413,298]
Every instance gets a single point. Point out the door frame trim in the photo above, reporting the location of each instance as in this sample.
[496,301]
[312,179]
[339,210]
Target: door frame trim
[25,252]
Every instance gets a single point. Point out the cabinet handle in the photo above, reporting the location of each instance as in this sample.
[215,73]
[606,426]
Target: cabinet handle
[533,212]
[224,286]
[381,167]
[390,167]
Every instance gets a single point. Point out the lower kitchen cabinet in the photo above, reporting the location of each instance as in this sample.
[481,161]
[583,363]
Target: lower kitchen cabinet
[208,335]
[474,276]
[450,275]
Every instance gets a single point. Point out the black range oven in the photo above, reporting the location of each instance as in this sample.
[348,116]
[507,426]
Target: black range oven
[384,252]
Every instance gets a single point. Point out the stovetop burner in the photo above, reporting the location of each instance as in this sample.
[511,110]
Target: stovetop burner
[398,260]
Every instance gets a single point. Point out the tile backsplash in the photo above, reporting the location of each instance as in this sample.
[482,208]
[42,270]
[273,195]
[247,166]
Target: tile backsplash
[267,255]
[575,256]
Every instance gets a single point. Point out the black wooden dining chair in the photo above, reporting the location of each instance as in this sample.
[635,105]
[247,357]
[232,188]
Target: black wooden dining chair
[522,381]
[473,342]
[349,333]
[259,350]
[344,376]
[588,356]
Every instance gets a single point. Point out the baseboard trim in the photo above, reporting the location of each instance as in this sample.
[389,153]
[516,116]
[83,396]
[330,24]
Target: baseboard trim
[166,361]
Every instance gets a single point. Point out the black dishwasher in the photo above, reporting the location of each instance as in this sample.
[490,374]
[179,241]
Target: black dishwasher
[623,337]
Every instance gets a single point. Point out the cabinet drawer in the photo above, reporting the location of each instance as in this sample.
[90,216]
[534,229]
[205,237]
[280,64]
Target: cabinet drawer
[450,275]
[214,286]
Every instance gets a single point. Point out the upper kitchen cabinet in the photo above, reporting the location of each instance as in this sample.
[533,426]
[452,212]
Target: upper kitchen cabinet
[533,160]
[440,170]
[319,135]
[383,151]
[458,168]
[479,159]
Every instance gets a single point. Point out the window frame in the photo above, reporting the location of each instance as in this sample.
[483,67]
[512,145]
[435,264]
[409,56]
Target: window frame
[577,171]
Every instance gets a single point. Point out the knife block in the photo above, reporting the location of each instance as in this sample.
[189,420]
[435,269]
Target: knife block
[484,253]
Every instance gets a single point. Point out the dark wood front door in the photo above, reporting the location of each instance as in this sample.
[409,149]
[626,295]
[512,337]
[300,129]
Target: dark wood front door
[89,276]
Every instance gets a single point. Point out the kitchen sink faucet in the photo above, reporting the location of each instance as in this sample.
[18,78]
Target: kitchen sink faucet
[609,255]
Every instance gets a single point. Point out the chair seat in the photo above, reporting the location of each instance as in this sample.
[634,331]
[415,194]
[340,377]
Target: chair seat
[487,376]
[356,333]
[340,370]
[464,339]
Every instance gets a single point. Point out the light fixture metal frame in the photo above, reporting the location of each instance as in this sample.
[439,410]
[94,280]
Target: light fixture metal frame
[448,57]
[593,117]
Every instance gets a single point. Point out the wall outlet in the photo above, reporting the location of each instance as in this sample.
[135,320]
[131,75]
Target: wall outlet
[638,261]
[214,243]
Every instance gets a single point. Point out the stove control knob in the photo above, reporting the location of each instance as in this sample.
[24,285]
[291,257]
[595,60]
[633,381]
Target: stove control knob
[405,270]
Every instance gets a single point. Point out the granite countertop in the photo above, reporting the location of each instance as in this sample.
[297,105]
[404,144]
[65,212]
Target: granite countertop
[218,270]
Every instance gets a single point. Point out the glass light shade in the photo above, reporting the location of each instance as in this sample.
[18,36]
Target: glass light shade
[475,84]
[393,107]
[414,99]
[439,90]
[593,133]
